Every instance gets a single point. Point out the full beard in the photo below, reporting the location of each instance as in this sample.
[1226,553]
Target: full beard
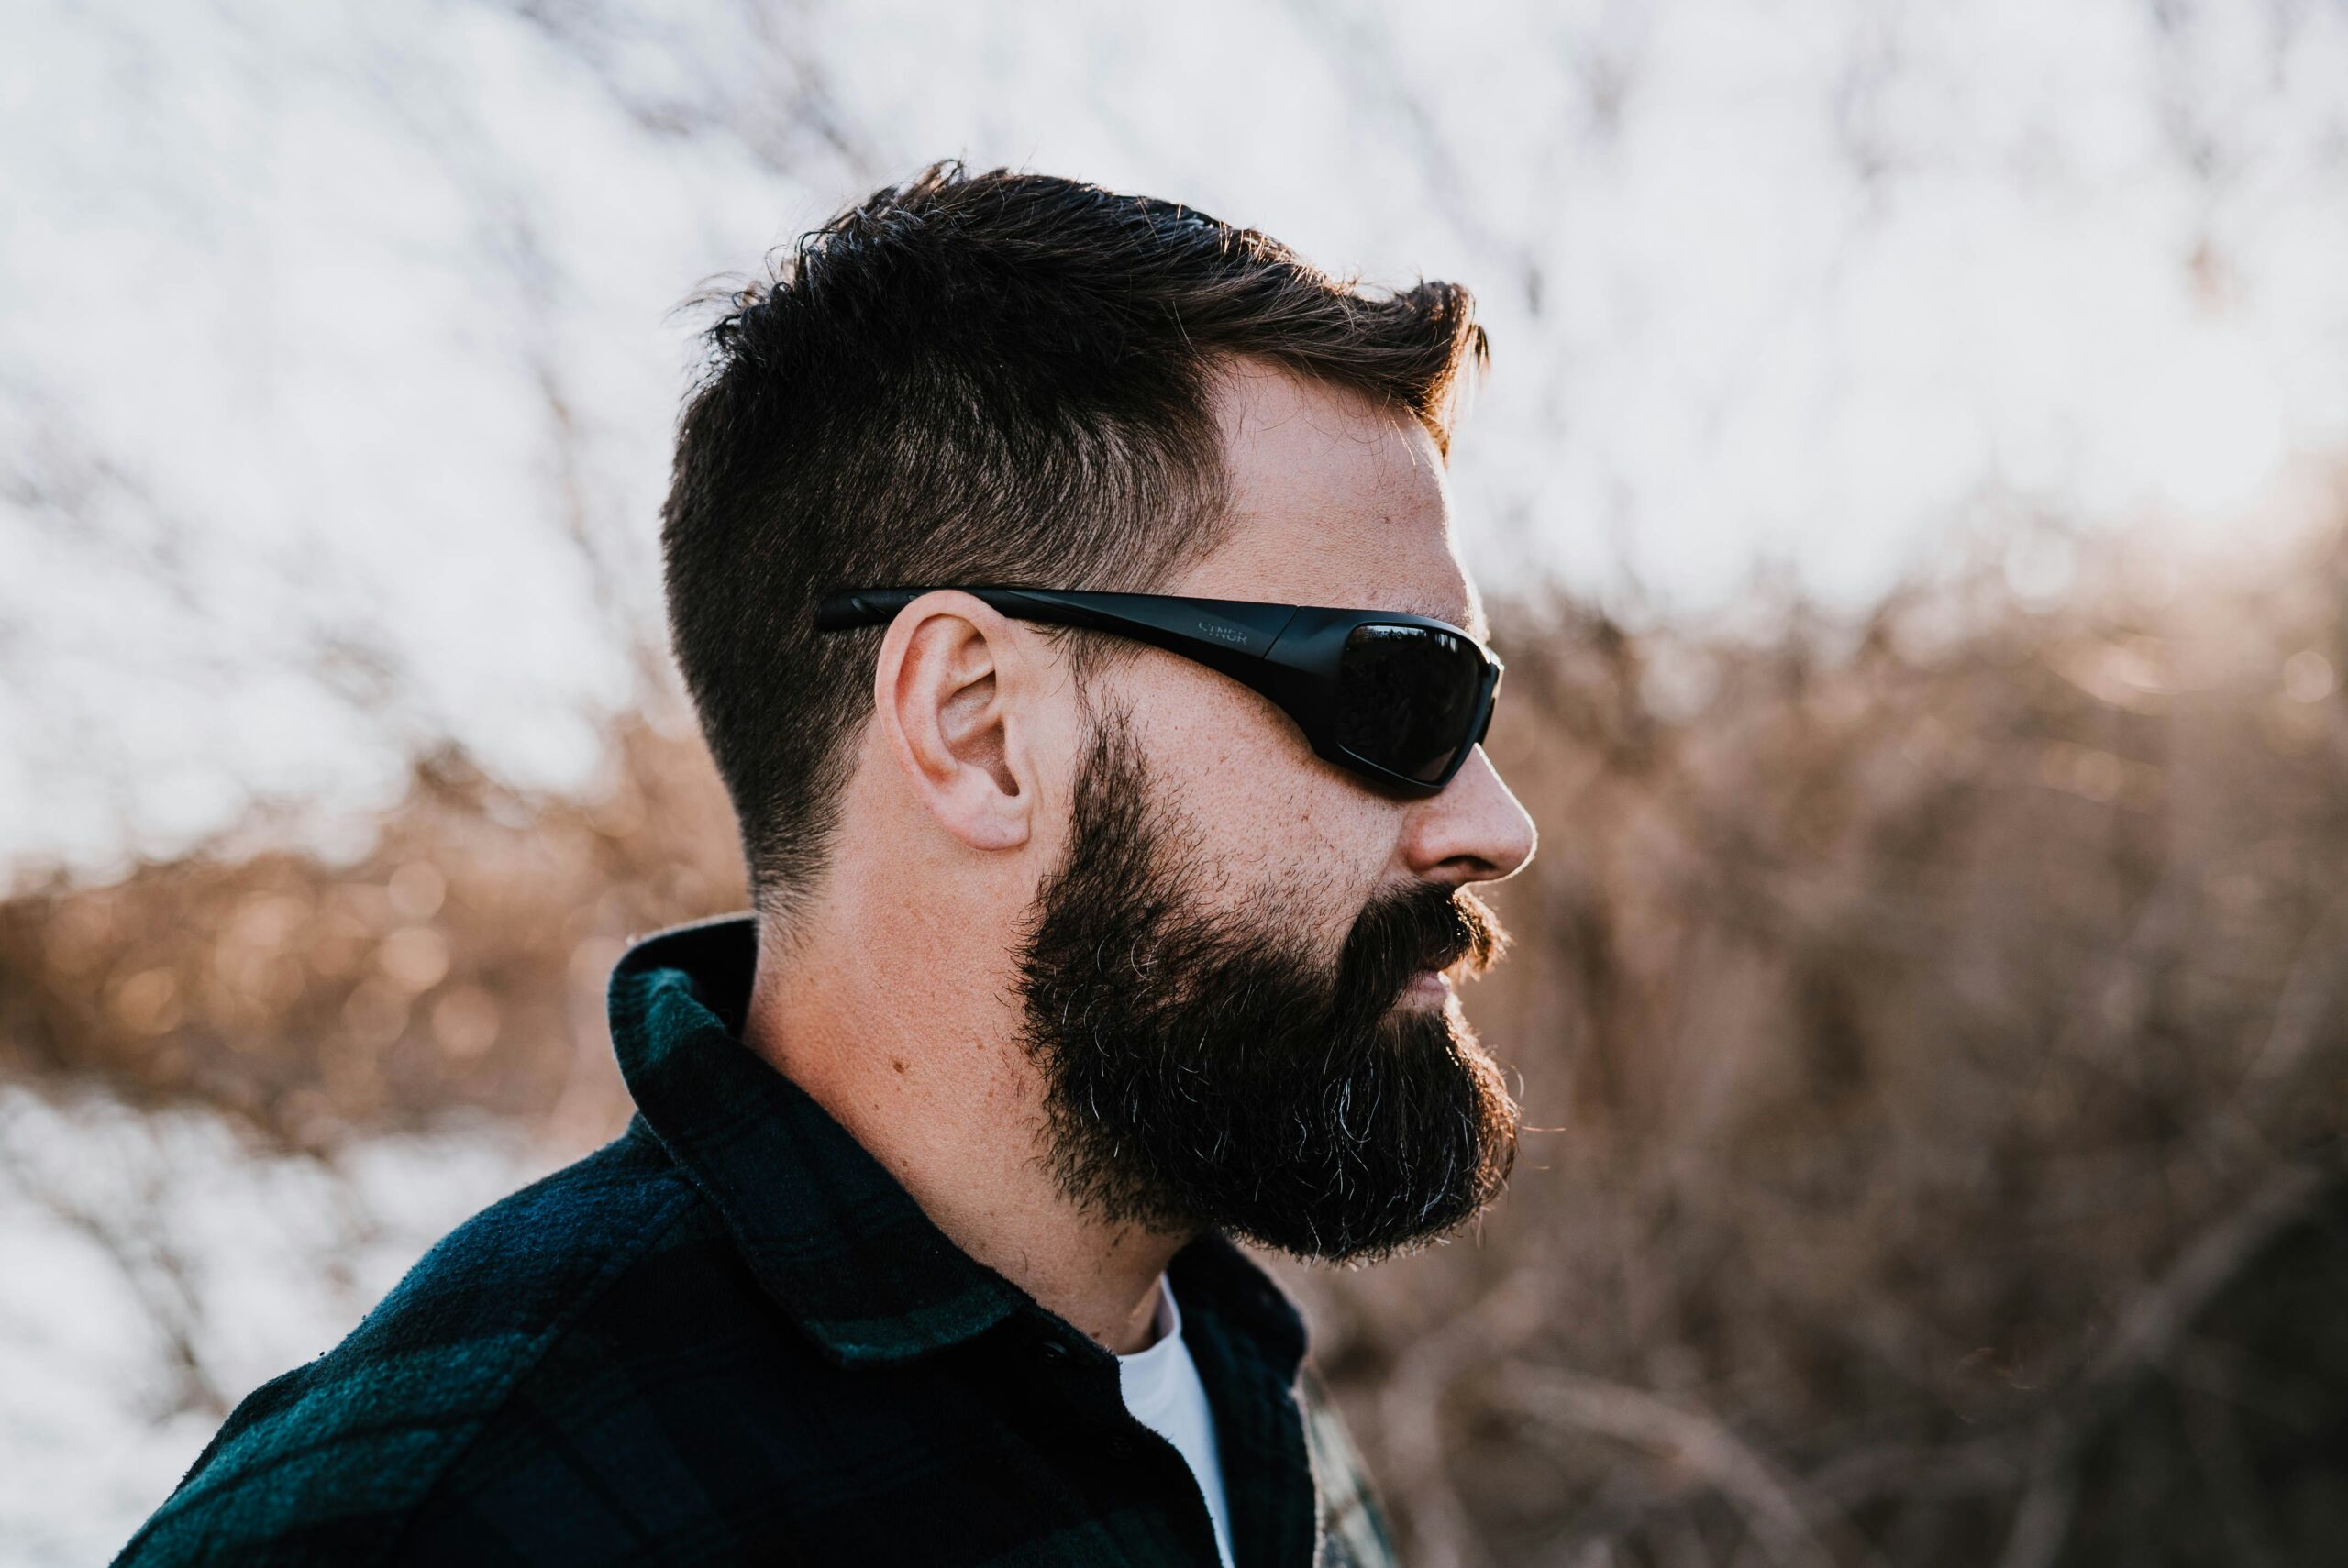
[1208,1070]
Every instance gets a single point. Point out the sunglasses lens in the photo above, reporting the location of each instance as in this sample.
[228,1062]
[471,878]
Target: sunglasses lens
[1406,698]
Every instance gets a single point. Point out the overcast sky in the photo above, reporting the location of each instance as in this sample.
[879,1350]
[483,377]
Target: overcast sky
[329,333]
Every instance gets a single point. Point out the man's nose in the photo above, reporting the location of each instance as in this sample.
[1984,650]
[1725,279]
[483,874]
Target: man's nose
[1475,831]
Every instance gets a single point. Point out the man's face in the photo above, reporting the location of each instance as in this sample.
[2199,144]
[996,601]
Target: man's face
[1231,979]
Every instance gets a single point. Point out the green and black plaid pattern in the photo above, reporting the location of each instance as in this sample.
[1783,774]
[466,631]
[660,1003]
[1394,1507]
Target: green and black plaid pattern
[731,1336]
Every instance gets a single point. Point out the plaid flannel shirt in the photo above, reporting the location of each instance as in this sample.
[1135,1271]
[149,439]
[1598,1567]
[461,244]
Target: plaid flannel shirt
[730,1335]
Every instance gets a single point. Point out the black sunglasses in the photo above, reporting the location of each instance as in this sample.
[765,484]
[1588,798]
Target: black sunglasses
[1399,699]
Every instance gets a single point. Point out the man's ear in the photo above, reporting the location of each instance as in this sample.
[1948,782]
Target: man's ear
[947,691]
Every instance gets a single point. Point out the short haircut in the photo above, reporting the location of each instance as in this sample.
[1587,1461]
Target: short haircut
[1001,378]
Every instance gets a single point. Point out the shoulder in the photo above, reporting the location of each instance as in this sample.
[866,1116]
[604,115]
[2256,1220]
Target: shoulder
[1352,1531]
[326,1462]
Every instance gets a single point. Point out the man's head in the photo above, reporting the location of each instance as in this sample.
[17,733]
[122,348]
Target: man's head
[1212,938]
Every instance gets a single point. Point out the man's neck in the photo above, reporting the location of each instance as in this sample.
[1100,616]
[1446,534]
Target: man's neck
[934,1082]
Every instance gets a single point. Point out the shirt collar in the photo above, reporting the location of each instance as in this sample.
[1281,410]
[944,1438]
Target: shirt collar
[826,1230]
[830,1233]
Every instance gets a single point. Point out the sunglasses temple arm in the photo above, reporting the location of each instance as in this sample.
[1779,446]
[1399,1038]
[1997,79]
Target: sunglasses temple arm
[873,607]
[1226,635]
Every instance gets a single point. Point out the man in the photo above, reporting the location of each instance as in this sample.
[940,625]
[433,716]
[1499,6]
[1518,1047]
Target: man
[1090,931]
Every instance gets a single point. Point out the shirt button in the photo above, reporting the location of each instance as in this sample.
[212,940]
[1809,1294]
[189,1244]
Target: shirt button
[1053,1350]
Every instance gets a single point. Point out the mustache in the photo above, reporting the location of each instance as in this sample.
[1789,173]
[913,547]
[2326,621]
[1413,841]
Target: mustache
[1424,926]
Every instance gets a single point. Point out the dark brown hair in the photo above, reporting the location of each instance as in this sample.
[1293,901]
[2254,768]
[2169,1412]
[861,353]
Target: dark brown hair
[999,378]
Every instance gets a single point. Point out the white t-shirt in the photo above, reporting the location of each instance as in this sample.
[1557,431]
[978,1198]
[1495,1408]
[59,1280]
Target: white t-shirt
[1163,1391]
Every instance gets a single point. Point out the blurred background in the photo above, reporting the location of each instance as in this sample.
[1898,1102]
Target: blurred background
[1911,490]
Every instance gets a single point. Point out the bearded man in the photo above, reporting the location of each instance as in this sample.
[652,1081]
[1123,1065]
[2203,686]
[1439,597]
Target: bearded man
[1066,584]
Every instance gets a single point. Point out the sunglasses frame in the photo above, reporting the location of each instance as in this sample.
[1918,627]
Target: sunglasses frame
[1288,653]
